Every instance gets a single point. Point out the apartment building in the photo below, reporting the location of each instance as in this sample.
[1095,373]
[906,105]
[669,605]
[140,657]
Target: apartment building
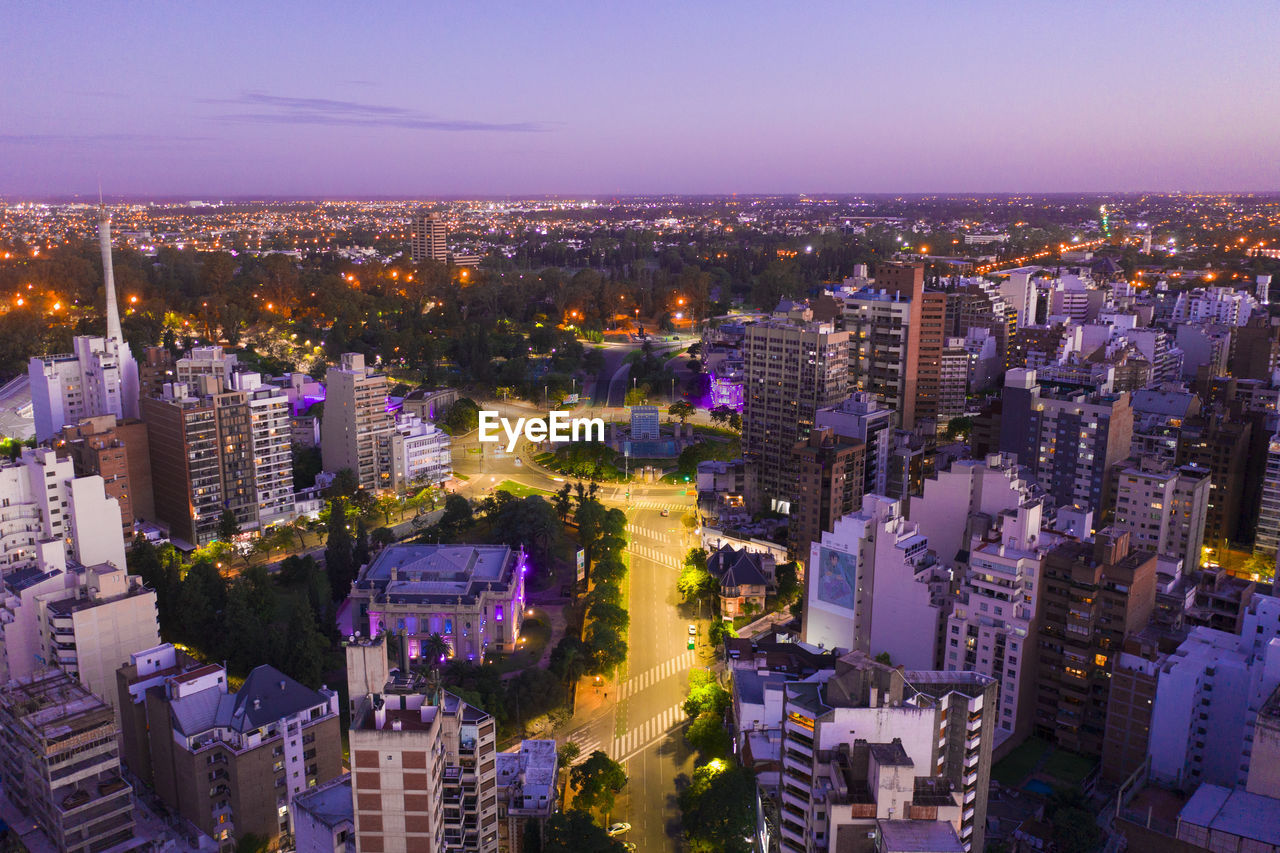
[423,761]
[356,427]
[871,754]
[793,369]
[862,417]
[420,453]
[471,594]
[884,325]
[230,763]
[93,379]
[52,724]
[1092,595]
[42,501]
[324,818]
[1219,443]
[829,486]
[1069,442]
[119,452]
[222,449]
[868,577]
[1163,508]
[1267,538]
[84,620]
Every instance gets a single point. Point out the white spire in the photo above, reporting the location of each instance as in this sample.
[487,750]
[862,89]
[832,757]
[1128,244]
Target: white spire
[104,240]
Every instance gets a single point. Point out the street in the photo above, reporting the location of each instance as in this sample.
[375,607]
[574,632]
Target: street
[636,718]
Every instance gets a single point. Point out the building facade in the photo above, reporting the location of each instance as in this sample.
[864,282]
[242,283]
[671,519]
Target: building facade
[1163,508]
[829,485]
[356,427]
[120,453]
[429,239]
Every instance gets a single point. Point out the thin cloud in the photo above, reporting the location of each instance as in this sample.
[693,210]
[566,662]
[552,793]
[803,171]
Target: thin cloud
[94,138]
[276,109]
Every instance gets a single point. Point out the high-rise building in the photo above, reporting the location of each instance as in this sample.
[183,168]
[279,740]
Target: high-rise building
[119,452]
[423,761]
[953,382]
[870,576]
[44,505]
[932,341]
[884,324]
[356,426]
[527,790]
[221,450]
[1092,595]
[861,417]
[1020,292]
[84,620]
[830,482]
[429,239]
[230,763]
[1268,536]
[872,755]
[793,369]
[1068,441]
[1219,443]
[1163,508]
[60,763]
[98,377]
[206,361]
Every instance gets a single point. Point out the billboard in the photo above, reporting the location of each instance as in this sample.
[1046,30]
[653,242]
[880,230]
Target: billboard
[582,565]
[837,577]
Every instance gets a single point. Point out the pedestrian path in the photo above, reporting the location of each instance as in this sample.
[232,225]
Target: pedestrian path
[588,741]
[646,733]
[681,663]
[680,506]
[658,555]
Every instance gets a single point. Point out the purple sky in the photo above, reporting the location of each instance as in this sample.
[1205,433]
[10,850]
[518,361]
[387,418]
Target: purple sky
[420,99]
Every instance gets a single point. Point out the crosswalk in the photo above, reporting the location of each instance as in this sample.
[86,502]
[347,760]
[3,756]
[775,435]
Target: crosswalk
[681,663]
[667,505]
[588,742]
[647,732]
[659,536]
[658,555]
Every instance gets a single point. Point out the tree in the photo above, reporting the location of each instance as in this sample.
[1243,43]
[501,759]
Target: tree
[786,577]
[598,780]
[360,546]
[463,416]
[707,735]
[382,537]
[682,410]
[706,695]
[303,656]
[435,651]
[228,526]
[457,515]
[569,659]
[884,658]
[338,560]
[696,584]
[606,647]
[562,502]
[251,843]
[1074,828]
[719,808]
[345,484]
[719,631]
[568,753]
[575,832]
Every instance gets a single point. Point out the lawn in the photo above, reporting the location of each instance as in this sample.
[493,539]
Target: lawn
[1014,768]
[536,634]
[1067,767]
[519,489]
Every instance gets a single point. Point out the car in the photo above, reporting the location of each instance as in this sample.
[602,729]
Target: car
[619,828]
[628,845]
[693,630]
[666,512]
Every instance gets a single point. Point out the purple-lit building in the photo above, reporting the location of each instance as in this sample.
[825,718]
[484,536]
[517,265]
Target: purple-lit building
[473,595]
[726,391]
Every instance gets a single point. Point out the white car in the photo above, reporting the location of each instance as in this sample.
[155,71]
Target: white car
[693,630]
[619,828]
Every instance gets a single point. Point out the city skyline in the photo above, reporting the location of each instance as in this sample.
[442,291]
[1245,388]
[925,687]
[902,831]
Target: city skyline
[578,100]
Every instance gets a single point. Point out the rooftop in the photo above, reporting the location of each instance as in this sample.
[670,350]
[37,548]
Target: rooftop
[1237,812]
[918,836]
[415,573]
[330,803]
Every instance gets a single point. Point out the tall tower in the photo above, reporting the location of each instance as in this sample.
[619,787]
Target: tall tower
[429,240]
[108,273]
[115,336]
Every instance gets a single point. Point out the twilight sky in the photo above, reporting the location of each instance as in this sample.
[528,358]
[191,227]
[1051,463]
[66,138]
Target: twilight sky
[207,100]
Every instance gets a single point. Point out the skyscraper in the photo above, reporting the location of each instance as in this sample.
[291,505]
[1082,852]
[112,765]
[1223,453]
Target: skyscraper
[829,486]
[884,324]
[98,377]
[793,369]
[429,240]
